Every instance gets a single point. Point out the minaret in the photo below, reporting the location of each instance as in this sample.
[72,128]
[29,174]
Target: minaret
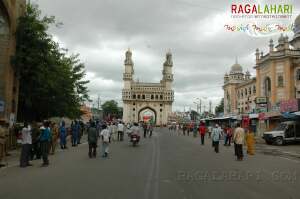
[167,71]
[247,75]
[128,74]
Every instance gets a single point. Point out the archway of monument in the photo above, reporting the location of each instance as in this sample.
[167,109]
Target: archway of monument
[148,114]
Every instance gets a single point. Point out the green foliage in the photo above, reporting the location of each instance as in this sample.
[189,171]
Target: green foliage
[220,107]
[110,108]
[51,82]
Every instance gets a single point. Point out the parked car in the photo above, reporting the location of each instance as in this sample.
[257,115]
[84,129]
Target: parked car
[284,133]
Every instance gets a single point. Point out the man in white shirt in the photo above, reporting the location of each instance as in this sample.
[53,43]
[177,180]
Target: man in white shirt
[120,131]
[26,146]
[239,139]
[105,135]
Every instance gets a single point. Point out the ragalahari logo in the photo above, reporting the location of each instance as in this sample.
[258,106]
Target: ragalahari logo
[259,20]
[259,11]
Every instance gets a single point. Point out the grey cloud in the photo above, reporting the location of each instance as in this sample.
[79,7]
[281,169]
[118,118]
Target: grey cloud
[100,29]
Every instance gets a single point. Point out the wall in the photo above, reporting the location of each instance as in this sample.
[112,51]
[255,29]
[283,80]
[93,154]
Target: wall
[10,11]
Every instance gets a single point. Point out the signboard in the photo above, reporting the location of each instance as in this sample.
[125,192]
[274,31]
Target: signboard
[289,105]
[261,108]
[261,100]
[2,106]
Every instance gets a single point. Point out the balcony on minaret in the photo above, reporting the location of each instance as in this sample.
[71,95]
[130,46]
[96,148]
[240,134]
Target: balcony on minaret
[168,77]
[127,76]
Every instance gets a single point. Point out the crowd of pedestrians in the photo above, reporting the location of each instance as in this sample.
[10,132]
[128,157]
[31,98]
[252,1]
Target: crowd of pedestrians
[236,134]
[40,140]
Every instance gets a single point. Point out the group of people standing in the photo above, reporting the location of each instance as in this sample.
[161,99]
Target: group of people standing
[239,136]
[38,141]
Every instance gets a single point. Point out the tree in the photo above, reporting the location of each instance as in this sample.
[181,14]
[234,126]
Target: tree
[51,82]
[220,107]
[110,108]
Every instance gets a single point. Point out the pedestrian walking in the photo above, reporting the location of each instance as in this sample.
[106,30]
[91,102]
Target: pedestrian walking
[190,129]
[80,132]
[145,129]
[63,135]
[45,139]
[92,140]
[105,141]
[114,131]
[250,140]
[229,133]
[120,131]
[54,138]
[202,130]
[216,135]
[184,128]
[36,145]
[239,138]
[195,130]
[151,126]
[26,146]
[75,128]
[209,131]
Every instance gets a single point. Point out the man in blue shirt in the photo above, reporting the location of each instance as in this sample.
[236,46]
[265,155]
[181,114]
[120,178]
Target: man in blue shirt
[45,139]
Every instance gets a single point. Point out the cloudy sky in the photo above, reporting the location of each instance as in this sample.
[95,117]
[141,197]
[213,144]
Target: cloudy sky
[203,50]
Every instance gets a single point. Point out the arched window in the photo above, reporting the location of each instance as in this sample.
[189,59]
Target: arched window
[280,81]
[267,87]
[298,75]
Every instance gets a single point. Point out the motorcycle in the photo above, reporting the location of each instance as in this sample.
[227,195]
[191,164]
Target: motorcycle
[134,139]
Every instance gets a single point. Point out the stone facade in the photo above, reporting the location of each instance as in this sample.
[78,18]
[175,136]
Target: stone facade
[277,77]
[10,10]
[278,72]
[239,91]
[140,98]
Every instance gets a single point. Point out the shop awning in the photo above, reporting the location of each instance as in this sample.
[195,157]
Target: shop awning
[288,115]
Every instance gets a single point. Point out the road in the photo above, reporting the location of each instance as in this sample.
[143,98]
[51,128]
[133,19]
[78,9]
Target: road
[163,167]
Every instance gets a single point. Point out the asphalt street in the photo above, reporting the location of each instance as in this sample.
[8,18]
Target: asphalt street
[166,166]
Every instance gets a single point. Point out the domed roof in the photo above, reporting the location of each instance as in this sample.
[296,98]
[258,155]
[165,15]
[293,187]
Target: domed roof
[236,68]
[297,20]
[297,25]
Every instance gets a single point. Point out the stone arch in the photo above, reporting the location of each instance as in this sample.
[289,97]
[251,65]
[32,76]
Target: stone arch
[147,108]
[4,19]
[4,9]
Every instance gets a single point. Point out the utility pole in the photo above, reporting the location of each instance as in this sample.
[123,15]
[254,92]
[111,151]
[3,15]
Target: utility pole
[200,102]
[209,106]
[98,102]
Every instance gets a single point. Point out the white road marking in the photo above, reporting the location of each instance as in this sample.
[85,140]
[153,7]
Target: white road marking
[295,161]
